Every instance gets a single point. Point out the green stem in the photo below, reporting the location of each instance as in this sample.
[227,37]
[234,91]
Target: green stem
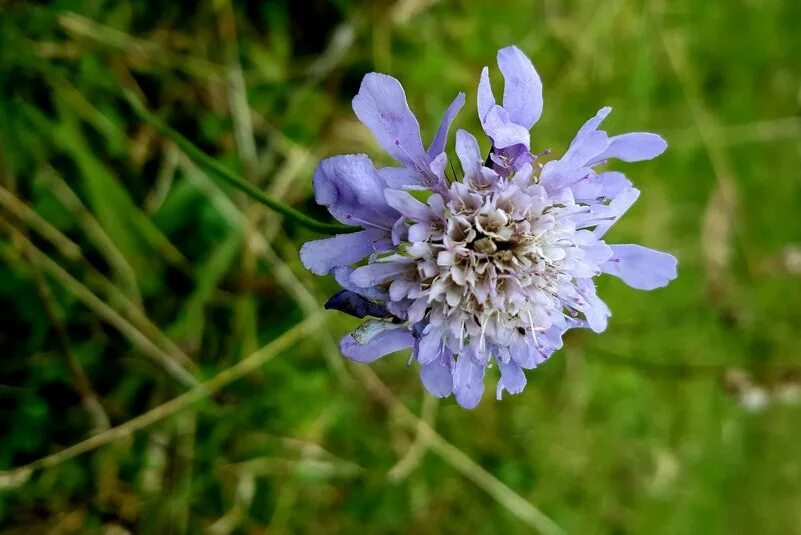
[222,172]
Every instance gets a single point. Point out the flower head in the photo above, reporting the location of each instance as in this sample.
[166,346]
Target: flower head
[495,263]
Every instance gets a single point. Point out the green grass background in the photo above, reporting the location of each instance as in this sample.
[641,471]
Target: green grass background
[119,254]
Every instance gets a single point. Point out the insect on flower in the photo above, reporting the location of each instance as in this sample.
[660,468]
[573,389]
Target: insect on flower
[496,263]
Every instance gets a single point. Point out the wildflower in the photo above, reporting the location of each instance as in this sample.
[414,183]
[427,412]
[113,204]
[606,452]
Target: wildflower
[494,264]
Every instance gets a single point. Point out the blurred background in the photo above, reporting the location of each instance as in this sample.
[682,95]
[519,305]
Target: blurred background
[129,277]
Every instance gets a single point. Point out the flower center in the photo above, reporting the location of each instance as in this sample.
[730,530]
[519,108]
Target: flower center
[492,263]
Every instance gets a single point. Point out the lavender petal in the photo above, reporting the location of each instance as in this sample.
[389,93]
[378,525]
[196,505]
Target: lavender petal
[522,90]
[353,191]
[438,143]
[640,267]
[374,339]
[322,256]
[381,105]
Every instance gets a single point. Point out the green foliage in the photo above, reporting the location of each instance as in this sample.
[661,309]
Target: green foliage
[653,426]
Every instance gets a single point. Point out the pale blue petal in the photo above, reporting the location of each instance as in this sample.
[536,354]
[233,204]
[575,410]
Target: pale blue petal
[640,267]
[430,346]
[372,340]
[468,383]
[401,177]
[486,99]
[437,166]
[588,143]
[587,188]
[378,272]
[342,276]
[558,174]
[593,124]
[353,191]
[381,105]
[468,380]
[612,183]
[524,355]
[503,132]
[322,256]
[513,380]
[633,147]
[407,205]
[437,376]
[595,311]
[468,152]
[619,206]
[438,144]
[522,90]
[584,149]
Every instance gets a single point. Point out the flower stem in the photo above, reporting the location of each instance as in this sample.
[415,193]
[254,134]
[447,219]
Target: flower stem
[223,173]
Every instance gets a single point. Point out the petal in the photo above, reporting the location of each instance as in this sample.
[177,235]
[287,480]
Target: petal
[342,276]
[378,272]
[353,191]
[430,346]
[437,376]
[503,132]
[321,256]
[373,339]
[468,380]
[436,203]
[381,105]
[469,153]
[586,145]
[524,355]
[640,267]
[522,90]
[519,156]
[584,148]
[633,147]
[522,176]
[510,159]
[437,166]
[407,205]
[417,309]
[419,232]
[596,251]
[597,315]
[588,187]
[551,339]
[438,144]
[595,311]
[513,380]
[399,309]
[612,183]
[401,177]
[399,231]
[486,99]
[558,174]
[593,124]
[399,288]
[354,304]
[619,206]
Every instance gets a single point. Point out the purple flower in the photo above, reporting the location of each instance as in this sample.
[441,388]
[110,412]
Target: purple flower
[495,263]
